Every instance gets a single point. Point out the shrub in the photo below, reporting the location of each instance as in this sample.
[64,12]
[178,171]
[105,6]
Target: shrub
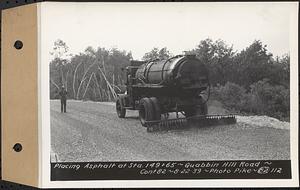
[263,98]
[272,100]
[231,95]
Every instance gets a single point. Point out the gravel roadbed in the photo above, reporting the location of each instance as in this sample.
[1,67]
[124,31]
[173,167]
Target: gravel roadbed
[92,131]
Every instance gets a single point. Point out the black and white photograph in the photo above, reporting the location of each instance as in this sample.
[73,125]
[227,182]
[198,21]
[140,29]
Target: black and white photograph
[163,82]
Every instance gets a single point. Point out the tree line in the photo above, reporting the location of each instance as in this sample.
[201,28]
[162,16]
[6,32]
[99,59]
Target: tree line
[251,80]
[94,74]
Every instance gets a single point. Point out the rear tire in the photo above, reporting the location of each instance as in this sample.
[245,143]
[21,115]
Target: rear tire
[156,106]
[146,111]
[121,111]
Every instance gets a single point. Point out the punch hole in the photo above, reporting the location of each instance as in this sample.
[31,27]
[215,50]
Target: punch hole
[18,44]
[17,147]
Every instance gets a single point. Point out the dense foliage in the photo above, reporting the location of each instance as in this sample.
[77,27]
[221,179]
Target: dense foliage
[262,98]
[157,53]
[250,81]
[244,68]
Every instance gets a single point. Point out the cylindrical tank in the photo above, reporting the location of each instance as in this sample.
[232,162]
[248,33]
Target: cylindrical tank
[186,71]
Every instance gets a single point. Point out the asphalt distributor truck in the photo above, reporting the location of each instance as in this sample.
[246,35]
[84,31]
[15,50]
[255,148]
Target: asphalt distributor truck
[179,84]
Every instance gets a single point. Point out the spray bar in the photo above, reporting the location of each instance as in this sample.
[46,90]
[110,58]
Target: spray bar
[195,121]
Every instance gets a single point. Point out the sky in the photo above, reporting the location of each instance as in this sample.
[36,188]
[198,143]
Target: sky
[139,27]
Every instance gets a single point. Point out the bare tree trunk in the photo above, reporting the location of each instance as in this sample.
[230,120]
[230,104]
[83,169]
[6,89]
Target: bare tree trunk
[61,76]
[87,86]
[78,90]
[54,84]
[83,79]
[120,80]
[108,84]
[74,78]
[108,95]
[66,80]
[103,64]
[115,86]
[97,83]
[113,83]
[94,90]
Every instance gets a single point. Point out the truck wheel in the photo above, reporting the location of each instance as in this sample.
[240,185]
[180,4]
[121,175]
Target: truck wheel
[120,110]
[146,111]
[156,106]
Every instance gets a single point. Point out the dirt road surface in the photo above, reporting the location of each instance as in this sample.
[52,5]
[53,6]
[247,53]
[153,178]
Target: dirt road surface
[92,131]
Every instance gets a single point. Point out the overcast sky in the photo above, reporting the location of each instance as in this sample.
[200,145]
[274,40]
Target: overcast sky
[138,27]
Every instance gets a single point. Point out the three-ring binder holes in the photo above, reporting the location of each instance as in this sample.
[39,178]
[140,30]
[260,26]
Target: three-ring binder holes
[17,147]
[18,44]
